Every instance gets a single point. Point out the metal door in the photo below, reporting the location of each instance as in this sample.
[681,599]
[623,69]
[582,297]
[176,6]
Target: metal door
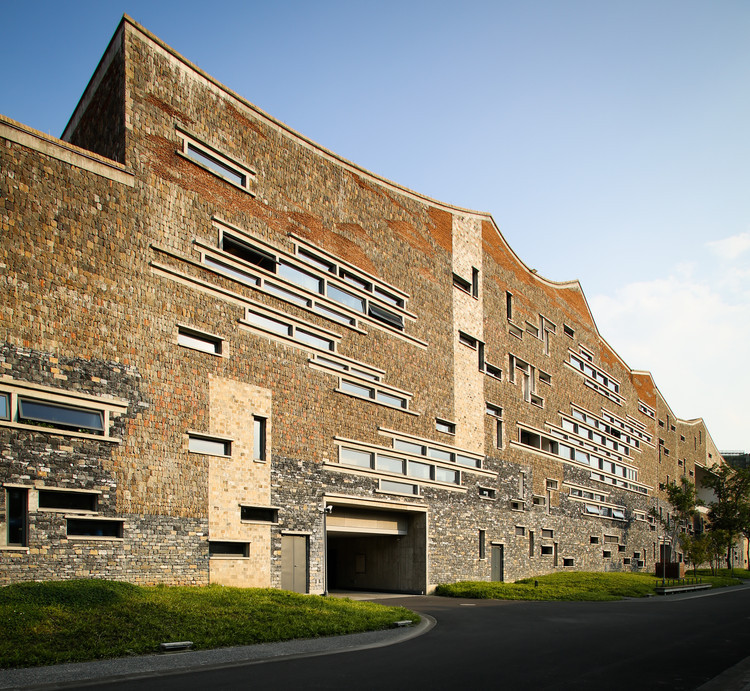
[294,563]
[497,562]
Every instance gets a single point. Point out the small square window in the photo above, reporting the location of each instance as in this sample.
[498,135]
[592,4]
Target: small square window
[520,531]
[594,539]
[487,493]
[606,554]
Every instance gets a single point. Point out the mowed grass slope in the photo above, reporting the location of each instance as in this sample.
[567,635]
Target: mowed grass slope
[578,586]
[71,621]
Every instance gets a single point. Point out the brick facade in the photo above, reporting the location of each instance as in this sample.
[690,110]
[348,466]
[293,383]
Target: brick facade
[183,264]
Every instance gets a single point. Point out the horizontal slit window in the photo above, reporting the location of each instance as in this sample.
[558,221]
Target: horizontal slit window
[209,445]
[259,514]
[217,165]
[333,314]
[361,459]
[67,417]
[99,527]
[445,426]
[345,298]
[398,487]
[356,389]
[246,252]
[462,283]
[198,341]
[409,447]
[316,261]
[388,297]
[446,475]
[269,324]
[285,294]
[468,461]
[439,454]
[389,399]
[70,501]
[300,277]
[231,271]
[218,548]
[356,281]
[390,464]
[385,316]
[419,470]
[313,340]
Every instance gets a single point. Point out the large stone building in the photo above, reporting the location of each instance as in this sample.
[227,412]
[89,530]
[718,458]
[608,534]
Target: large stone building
[229,355]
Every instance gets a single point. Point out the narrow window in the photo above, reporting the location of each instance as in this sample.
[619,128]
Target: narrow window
[482,544]
[259,514]
[389,399]
[94,527]
[68,501]
[259,438]
[499,434]
[546,532]
[4,407]
[398,487]
[248,253]
[487,493]
[475,282]
[16,516]
[445,426]
[509,305]
[63,416]
[211,446]
[237,550]
[531,543]
[217,166]
[196,340]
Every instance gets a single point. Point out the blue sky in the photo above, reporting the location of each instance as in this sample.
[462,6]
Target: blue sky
[609,140]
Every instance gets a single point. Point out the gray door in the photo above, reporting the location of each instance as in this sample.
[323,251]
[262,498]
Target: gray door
[294,563]
[497,562]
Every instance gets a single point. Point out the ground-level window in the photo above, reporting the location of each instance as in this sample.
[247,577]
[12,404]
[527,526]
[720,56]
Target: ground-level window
[226,549]
[16,515]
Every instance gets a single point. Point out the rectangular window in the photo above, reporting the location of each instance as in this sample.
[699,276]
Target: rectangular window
[552,484]
[487,493]
[313,340]
[388,297]
[594,539]
[493,371]
[17,515]
[361,459]
[385,316]
[474,282]
[269,324]
[544,377]
[346,298]
[468,461]
[299,277]
[482,544]
[568,562]
[259,514]
[445,426]
[531,543]
[217,164]
[228,550]
[398,487]
[440,454]
[4,406]
[316,261]
[390,464]
[568,331]
[68,501]
[210,446]
[231,271]
[35,412]
[467,340]
[389,399]
[446,475]
[509,305]
[520,531]
[196,340]
[356,281]
[461,283]
[248,253]
[546,532]
[606,554]
[409,447]
[546,550]
[259,438]
[94,527]
[419,470]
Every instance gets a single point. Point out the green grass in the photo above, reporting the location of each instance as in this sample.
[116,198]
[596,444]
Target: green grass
[71,621]
[576,586]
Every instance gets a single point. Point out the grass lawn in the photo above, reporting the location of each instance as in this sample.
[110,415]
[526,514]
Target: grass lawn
[71,621]
[577,585]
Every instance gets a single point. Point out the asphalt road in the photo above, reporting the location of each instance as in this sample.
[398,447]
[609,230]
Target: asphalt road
[675,642]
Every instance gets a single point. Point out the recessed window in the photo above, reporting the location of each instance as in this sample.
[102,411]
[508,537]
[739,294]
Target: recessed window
[568,562]
[516,506]
[474,282]
[482,544]
[94,527]
[390,399]
[67,501]
[552,484]
[302,278]
[4,406]
[210,446]
[409,447]
[509,305]
[445,426]
[493,371]
[249,253]
[467,340]
[386,316]
[487,493]
[45,414]
[355,280]
[626,561]
[217,165]
[620,548]
[313,339]
[461,283]
[544,377]
[259,514]
[259,438]
[594,539]
[606,554]
[346,298]
[17,516]
[546,550]
[398,487]
[390,464]
[316,261]
[237,550]
[189,338]
[361,459]
[520,531]
[446,475]
[546,532]
[539,501]
[568,331]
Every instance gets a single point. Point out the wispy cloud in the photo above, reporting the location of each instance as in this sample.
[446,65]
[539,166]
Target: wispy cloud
[694,336]
[732,247]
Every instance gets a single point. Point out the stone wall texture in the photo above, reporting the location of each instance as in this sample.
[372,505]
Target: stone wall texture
[103,273]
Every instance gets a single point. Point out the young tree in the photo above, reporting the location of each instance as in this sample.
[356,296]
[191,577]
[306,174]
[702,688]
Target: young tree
[683,501]
[696,548]
[728,512]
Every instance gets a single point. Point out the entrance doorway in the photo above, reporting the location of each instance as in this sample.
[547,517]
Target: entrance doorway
[497,563]
[294,563]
